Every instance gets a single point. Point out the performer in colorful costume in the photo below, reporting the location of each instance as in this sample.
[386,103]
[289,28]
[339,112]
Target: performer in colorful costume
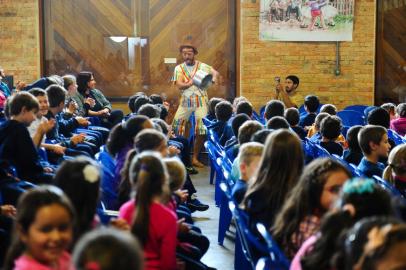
[193,99]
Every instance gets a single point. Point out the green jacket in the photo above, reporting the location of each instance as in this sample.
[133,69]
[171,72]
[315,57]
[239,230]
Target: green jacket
[99,97]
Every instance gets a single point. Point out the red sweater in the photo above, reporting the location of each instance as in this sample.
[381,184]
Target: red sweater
[160,249]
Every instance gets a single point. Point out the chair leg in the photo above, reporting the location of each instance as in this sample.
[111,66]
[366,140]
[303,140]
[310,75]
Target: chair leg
[212,171]
[240,262]
[224,220]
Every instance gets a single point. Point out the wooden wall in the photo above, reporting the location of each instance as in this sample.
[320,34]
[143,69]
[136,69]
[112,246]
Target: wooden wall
[391,52]
[77,38]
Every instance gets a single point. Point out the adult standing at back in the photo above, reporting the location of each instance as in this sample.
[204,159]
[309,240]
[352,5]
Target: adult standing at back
[193,98]
[288,94]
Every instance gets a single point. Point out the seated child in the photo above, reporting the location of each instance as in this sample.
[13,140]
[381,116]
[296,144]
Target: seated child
[45,220]
[274,108]
[277,122]
[211,114]
[391,109]
[311,104]
[244,107]
[150,111]
[17,147]
[237,121]
[330,129]
[94,247]
[395,172]
[249,158]
[221,128]
[314,132]
[353,154]
[399,124]
[292,116]
[316,193]
[374,144]
[152,223]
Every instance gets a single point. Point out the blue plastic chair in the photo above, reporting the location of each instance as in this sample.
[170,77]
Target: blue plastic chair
[105,215]
[246,241]
[351,118]
[225,214]
[354,170]
[277,259]
[214,152]
[387,186]
[393,135]
[358,108]
[257,117]
[109,194]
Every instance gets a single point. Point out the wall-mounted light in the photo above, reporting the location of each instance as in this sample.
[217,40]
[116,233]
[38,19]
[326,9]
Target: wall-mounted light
[118,39]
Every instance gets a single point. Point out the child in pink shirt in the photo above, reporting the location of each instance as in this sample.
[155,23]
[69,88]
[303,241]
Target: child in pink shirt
[45,221]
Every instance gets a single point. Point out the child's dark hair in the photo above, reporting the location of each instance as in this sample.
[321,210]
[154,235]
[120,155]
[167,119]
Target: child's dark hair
[330,127]
[162,124]
[304,199]
[108,249]
[401,110]
[148,139]
[320,118]
[37,92]
[274,108]
[277,122]
[294,79]
[237,122]
[27,208]
[244,107]
[149,174]
[212,105]
[312,103]
[149,110]
[141,100]
[224,111]
[370,133]
[156,99]
[123,134]
[351,244]
[131,101]
[328,108]
[352,138]
[379,116]
[164,111]
[80,180]
[82,80]
[280,167]
[389,107]
[292,116]
[19,101]
[247,129]
[261,135]
[393,235]
[124,189]
[367,199]
[56,95]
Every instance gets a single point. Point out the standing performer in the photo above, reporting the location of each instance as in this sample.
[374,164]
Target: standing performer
[193,99]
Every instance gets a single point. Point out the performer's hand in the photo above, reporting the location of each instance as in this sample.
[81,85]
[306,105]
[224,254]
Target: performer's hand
[278,88]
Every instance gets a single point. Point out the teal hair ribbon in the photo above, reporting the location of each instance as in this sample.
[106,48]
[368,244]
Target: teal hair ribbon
[359,185]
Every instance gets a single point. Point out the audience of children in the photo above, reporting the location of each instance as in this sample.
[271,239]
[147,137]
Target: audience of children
[156,193]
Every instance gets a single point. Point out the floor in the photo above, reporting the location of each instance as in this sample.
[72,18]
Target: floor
[220,257]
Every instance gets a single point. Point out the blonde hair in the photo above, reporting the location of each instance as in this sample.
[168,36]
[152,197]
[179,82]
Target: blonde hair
[177,173]
[249,151]
[396,163]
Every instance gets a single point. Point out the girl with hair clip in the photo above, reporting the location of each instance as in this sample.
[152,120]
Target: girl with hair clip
[360,198]
[119,143]
[152,223]
[43,231]
[280,167]
[395,172]
[80,180]
[315,194]
[354,242]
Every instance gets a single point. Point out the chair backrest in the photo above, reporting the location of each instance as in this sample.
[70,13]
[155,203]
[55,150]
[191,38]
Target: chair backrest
[358,108]
[387,186]
[277,258]
[351,118]
[393,135]
[354,170]
[249,241]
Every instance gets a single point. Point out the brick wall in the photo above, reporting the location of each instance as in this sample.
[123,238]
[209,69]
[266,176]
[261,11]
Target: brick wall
[19,39]
[313,62]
